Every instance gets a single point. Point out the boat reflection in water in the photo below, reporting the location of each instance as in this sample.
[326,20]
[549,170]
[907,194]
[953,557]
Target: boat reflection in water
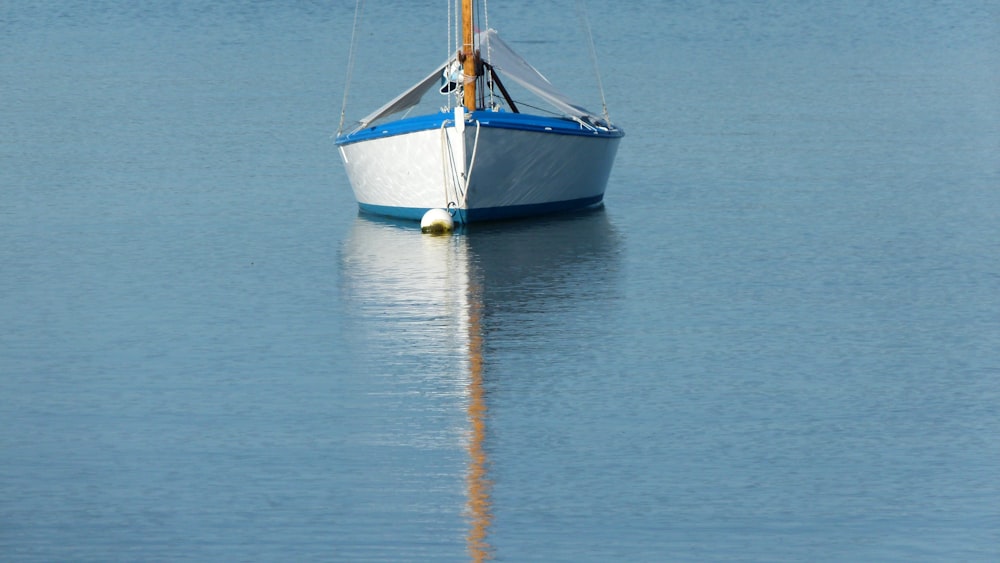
[427,304]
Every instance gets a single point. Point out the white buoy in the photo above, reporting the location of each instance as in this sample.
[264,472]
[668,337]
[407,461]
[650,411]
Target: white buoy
[437,222]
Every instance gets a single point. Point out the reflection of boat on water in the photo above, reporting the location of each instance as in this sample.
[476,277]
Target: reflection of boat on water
[549,262]
[409,277]
[389,266]
[428,301]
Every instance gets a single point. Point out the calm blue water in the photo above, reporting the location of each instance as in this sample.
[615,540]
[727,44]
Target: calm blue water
[779,341]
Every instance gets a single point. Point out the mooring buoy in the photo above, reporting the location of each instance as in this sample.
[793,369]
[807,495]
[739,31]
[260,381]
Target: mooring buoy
[437,222]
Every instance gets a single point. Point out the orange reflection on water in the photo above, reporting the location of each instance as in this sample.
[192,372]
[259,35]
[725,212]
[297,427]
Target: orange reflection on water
[478,484]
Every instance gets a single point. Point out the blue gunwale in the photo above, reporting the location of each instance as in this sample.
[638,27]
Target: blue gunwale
[497,119]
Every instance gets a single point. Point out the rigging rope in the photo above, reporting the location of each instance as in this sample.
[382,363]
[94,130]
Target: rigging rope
[448,31]
[358,10]
[450,46]
[454,27]
[585,23]
[489,54]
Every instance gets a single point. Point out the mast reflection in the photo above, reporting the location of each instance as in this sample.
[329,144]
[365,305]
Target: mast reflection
[477,479]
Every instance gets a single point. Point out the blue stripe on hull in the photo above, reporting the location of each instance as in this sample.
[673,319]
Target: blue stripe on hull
[487,214]
[497,119]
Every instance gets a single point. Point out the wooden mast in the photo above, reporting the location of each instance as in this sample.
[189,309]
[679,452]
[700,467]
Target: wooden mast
[469,57]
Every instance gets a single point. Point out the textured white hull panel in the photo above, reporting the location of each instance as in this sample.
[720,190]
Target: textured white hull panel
[406,171]
[513,172]
[516,168]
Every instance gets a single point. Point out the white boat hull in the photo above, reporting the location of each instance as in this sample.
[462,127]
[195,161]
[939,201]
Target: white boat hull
[496,166]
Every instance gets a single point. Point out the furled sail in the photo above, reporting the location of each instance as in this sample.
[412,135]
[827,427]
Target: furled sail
[406,100]
[505,61]
[511,65]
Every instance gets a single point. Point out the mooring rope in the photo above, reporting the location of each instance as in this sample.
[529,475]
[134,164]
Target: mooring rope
[451,176]
[448,173]
[472,162]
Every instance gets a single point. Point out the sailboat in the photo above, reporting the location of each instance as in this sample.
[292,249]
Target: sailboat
[480,157]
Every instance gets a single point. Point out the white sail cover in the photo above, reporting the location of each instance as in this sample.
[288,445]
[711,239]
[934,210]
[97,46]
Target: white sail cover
[407,99]
[505,61]
[511,65]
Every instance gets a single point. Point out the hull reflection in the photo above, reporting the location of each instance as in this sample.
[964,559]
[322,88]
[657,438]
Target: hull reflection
[426,297]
